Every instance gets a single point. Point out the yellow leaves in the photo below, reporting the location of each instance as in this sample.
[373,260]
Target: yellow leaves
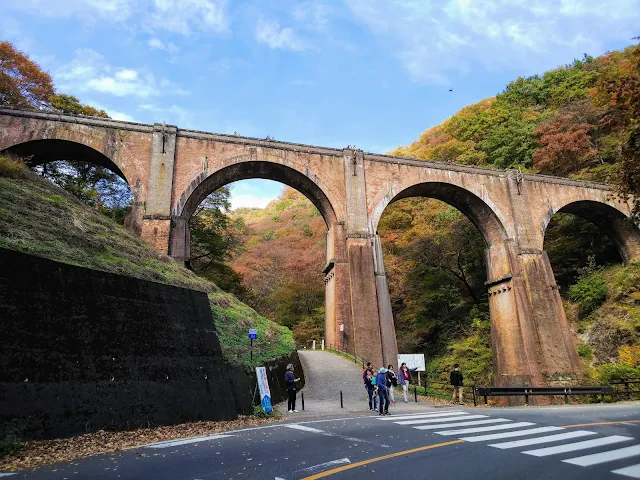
[630,355]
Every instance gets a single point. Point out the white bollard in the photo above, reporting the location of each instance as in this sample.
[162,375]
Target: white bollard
[313,346]
[323,344]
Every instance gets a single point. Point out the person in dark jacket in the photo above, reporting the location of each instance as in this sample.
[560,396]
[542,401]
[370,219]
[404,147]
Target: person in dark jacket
[392,381]
[456,379]
[369,386]
[290,380]
[381,380]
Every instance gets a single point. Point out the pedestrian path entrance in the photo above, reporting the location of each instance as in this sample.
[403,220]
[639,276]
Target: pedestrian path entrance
[326,375]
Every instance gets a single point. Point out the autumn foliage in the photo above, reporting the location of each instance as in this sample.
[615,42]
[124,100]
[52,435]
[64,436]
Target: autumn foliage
[22,83]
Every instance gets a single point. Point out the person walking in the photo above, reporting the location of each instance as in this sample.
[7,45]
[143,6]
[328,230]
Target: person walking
[290,380]
[374,383]
[381,380]
[392,381]
[404,375]
[456,379]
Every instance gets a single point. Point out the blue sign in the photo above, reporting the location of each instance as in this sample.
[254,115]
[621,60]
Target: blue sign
[253,333]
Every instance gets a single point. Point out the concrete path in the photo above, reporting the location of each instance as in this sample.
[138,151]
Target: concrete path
[326,375]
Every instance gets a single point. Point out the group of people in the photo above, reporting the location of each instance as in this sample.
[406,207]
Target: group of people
[380,385]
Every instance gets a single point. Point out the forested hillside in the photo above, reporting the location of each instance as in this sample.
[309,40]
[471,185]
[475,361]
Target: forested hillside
[580,121]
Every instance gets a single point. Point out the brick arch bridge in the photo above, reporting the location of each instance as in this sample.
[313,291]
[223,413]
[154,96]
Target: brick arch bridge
[170,171]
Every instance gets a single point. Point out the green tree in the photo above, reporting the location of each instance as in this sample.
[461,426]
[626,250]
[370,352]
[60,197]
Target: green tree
[70,104]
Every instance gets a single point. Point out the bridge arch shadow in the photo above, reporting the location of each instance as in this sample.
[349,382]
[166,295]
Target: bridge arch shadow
[39,152]
[610,221]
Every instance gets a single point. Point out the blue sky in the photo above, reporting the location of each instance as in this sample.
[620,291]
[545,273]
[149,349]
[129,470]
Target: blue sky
[374,73]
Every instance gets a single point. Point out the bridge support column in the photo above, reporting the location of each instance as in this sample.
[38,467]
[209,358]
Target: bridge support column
[387,327]
[156,221]
[365,328]
[546,332]
[337,325]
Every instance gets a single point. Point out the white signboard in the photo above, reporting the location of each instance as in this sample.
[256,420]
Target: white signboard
[413,360]
[263,386]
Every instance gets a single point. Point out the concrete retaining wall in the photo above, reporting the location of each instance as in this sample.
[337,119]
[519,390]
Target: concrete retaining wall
[83,350]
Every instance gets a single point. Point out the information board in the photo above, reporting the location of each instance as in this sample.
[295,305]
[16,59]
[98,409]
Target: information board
[413,360]
[253,333]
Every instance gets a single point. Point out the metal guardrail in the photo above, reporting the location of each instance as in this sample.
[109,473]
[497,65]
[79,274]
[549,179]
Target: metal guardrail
[627,391]
[526,392]
[338,349]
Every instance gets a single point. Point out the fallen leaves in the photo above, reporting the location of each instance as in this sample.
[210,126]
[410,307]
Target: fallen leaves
[45,452]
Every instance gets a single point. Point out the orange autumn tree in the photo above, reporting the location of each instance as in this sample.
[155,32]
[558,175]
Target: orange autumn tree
[22,83]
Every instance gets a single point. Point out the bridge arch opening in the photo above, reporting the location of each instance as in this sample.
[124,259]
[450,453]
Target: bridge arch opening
[280,264]
[83,171]
[39,152]
[436,241]
[608,221]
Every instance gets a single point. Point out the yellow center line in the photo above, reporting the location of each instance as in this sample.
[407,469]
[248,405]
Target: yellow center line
[600,423]
[378,459]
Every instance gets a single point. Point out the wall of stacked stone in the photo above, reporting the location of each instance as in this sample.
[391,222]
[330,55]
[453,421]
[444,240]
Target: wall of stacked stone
[83,350]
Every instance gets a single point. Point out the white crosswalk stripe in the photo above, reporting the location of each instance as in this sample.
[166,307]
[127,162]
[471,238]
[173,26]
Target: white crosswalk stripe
[393,418]
[572,447]
[457,418]
[507,426]
[545,439]
[609,456]
[475,428]
[632,471]
[461,424]
[519,433]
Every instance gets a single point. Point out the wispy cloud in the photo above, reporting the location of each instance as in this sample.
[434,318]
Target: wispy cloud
[269,33]
[432,40]
[89,71]
[157,44]
[173,114]
[182,17]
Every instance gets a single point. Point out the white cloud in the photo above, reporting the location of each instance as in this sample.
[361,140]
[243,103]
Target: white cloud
[434,39]
[173,115]
[156,15]
[271,34]
[90,71]
[185,16]
[157,44]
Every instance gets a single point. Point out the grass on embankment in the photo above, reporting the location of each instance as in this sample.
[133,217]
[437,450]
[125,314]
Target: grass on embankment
[38,218]
[41,219]
[233,320]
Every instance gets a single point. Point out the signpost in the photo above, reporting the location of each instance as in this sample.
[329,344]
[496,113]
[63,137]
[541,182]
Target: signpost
[263,386]
[253,333]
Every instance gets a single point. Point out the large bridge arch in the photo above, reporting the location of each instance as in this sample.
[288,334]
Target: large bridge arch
[38,152]
[612,218]
[242,168]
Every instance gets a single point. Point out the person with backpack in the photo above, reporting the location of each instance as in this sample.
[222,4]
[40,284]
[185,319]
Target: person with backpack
[456,379]
[290,380]
[381,380]
[392,381]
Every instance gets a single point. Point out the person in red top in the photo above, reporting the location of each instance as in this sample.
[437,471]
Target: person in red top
[404,375]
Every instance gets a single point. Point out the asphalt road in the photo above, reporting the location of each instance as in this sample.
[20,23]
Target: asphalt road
[562,442]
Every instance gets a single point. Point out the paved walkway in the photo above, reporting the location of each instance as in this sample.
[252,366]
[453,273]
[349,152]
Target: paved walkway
[326,375]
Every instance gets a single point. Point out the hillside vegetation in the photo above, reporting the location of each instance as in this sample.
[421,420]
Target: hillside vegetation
[577,121]
[39,218]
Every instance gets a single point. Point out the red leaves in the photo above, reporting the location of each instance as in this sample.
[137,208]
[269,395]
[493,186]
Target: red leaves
[22,83]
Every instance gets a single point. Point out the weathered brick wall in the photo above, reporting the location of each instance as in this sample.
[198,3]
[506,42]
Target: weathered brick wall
[82,350]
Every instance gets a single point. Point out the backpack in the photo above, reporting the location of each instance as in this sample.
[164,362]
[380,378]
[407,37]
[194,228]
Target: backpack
[393,379]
